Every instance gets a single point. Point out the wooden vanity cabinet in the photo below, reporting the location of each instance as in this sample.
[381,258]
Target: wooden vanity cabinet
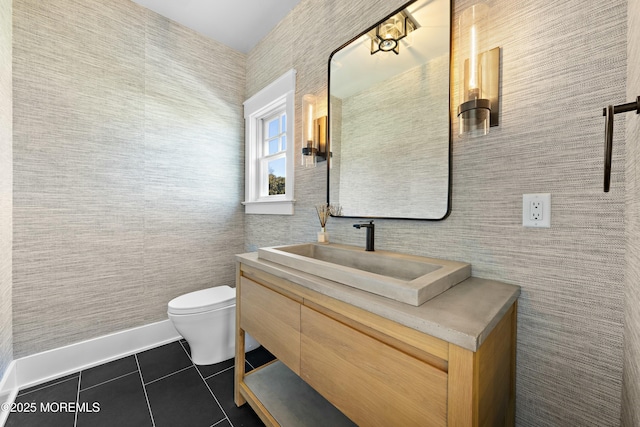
[375,371]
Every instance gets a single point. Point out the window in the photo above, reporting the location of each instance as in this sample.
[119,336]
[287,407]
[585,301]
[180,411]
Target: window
[269,118]
[274,160]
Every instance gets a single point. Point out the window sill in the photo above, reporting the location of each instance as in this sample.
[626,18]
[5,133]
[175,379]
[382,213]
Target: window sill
[269,207]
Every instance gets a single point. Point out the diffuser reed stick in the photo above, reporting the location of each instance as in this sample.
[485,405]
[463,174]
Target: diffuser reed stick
[325,210]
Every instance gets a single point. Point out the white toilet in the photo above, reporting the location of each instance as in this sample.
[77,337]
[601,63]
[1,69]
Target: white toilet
[207,319]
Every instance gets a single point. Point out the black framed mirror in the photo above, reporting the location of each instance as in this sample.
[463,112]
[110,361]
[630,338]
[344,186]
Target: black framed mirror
[389,117]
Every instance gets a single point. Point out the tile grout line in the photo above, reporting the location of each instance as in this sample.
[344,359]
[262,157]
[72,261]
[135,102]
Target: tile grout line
[153,423]
[46,386]
[169,375]
[226,417]
[196,366]
[209,388]
[108,381]
[218,373]
[214,425]
[75,420]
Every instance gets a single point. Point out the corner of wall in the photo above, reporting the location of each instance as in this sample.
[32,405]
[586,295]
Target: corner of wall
[6,186]
[631,363]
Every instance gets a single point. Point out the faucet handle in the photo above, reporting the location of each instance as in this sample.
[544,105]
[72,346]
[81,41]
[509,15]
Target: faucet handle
[365,224]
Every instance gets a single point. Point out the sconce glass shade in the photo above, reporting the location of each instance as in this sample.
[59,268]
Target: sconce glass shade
[309,143]
[474,109]
[386,36]
[474,118]
[314,133]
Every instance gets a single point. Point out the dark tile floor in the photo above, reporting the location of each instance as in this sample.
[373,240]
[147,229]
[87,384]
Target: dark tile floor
[157,388]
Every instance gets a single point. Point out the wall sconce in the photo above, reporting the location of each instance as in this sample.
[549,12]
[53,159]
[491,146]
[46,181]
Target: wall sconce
[479,74]
[386,36]
[314,133]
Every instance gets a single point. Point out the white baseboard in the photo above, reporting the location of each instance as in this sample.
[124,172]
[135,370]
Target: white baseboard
[48,365]
[42,367]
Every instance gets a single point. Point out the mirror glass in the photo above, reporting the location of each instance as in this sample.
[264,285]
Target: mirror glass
[389,124]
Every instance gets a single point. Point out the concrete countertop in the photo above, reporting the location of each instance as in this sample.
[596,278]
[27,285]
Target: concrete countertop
[464,315]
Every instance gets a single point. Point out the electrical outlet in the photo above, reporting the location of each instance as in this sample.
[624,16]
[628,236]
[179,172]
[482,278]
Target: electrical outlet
[536,210]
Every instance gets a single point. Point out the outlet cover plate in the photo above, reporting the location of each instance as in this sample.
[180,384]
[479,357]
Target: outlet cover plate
[530,204]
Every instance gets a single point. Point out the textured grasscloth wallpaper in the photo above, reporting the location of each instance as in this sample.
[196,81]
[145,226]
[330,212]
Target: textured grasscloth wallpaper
[631,379]
[128,168]
[6,182]
[562,62]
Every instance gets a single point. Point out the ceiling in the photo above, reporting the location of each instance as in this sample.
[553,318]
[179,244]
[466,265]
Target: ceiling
[239,24]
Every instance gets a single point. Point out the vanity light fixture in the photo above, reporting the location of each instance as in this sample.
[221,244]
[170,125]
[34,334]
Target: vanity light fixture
[479,70]
[387,35]
[314,133]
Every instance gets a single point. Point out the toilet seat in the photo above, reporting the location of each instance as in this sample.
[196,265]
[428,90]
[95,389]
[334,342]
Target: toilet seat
[203,300]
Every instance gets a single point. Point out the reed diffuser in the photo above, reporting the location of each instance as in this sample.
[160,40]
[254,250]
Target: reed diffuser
[325,210]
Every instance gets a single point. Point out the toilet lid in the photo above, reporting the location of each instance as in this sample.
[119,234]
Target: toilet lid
[203,300]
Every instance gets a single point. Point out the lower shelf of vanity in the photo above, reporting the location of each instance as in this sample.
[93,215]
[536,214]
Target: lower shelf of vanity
[289,400]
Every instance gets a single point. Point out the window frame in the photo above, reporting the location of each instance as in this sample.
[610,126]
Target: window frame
[277,96]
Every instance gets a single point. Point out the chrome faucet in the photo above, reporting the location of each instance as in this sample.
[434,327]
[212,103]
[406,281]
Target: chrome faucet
[370,233]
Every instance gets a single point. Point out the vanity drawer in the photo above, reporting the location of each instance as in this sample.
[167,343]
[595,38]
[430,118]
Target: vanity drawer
[273,320]
[371,382]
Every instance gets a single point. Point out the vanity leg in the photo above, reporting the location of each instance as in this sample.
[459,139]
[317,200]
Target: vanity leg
[511,412]
[240,353]
[239,368]
[471,402]
[462,388]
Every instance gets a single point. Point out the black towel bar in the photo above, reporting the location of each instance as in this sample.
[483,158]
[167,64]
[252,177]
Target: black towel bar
[608,112]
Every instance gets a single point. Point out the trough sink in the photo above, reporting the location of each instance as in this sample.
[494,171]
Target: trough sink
[406,278]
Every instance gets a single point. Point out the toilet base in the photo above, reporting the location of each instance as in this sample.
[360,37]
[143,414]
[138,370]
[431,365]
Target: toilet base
[211,334]
[210,354]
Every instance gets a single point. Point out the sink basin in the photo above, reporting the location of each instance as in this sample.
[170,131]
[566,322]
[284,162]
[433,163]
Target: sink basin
[406,278]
